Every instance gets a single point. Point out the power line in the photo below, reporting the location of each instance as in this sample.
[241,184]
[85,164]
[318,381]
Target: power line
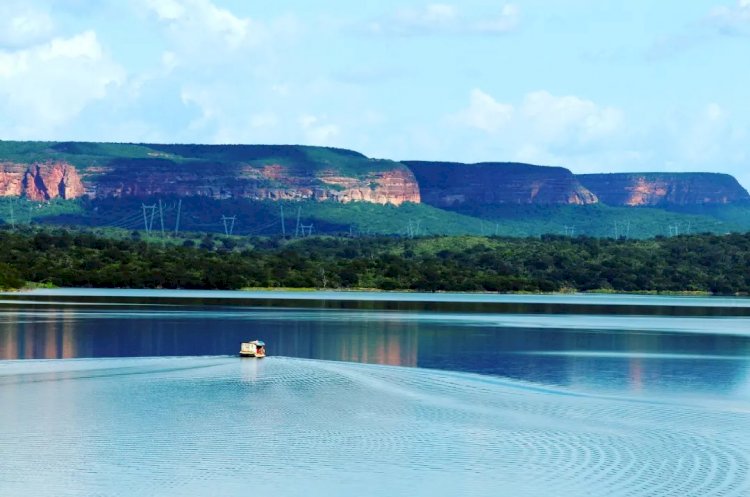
[283,224]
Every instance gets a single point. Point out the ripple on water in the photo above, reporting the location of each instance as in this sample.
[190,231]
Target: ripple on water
[222,426]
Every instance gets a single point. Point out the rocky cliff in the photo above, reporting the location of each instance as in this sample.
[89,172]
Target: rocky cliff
[40,180]
[67,170]
[449,184]
[662,189]
[43,171]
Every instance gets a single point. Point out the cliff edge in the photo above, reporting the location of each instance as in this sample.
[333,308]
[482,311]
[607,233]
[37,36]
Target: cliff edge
[663,189]
[451,184]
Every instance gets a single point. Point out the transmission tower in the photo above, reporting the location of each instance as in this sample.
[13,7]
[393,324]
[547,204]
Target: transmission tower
[306,229]
[228,224]
[299,217]
[148,220]
[283,223]
[161,221]
[177,222]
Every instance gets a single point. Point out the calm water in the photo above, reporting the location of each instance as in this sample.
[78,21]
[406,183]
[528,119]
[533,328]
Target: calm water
[532,395]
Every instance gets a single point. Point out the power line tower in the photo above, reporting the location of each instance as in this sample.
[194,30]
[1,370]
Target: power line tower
[177,222]
[299,217]
[161,221]
[283,223]
[570,231]
[148,220]
[306,229]
[228,224]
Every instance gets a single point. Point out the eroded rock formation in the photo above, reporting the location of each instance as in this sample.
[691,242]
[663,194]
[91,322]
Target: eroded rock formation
[653,189]
[40,181]
[447,184]
[149,178]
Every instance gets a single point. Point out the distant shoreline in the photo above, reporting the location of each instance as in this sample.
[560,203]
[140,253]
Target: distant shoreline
[292,290]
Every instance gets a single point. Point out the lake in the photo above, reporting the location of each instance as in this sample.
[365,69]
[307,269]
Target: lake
[374,393]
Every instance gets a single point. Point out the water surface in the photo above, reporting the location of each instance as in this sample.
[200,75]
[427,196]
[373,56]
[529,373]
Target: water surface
[403,394]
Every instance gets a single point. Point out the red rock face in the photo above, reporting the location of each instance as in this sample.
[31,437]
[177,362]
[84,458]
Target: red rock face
[391,187]
[41,181]
[650,189]
[267,182]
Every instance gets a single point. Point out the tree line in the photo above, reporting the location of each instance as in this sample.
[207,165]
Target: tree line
[699,263]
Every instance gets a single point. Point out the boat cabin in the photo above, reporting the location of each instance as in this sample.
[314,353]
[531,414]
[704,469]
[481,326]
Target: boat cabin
[256,348]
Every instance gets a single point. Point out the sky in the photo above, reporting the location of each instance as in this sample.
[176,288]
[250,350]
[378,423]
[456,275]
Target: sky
[594,86]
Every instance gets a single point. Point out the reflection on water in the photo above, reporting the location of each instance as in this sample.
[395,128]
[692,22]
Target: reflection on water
[667,349]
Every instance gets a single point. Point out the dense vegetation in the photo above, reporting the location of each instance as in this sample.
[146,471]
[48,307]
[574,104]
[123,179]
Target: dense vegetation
[699,263]
[264,218]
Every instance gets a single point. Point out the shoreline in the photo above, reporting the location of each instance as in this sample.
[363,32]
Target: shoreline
[293,290]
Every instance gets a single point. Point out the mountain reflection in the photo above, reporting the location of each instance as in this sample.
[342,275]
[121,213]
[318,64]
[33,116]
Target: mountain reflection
[599,359]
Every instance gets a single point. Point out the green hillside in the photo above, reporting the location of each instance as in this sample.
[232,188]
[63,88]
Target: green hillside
[299,159]
[200,214]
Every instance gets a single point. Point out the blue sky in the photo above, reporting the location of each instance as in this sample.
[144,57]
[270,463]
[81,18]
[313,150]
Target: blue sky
[589,85]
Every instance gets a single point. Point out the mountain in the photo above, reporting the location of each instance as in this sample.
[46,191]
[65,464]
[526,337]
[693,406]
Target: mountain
[68,170]
[453,185]
[664,189]
[288,190]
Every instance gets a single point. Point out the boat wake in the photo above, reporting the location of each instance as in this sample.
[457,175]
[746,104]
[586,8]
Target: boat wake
[219,426]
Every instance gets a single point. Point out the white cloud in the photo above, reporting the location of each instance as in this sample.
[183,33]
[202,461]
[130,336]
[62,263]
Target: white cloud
[541,119]
[48,85]
[431,16]
[562,119]
[317,132]
[170,10]
[508,20]
[701,137]
[439,18]
[485,113]
[22,25]
[200,28]
[734,19]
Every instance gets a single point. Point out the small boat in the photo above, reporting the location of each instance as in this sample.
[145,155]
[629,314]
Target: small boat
[256,348]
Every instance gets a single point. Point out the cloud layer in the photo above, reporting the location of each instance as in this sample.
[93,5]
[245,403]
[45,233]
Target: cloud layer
[440,80]
[445,19]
